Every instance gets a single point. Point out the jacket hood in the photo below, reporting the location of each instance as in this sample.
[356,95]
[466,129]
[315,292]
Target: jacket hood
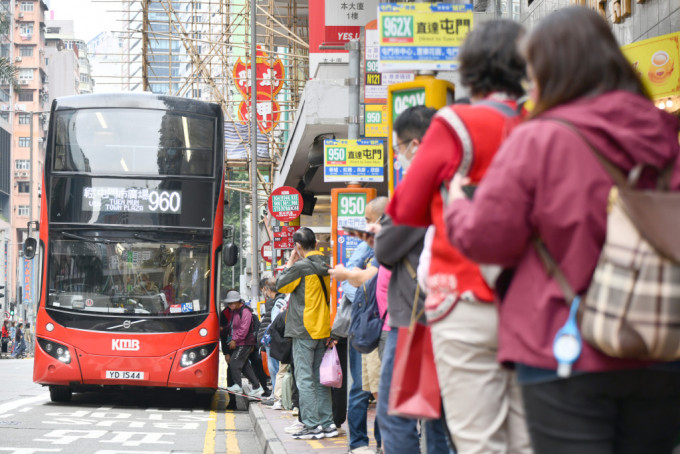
[625,127]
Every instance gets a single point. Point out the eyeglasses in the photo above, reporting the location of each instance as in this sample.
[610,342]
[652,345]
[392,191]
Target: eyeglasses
[395,146]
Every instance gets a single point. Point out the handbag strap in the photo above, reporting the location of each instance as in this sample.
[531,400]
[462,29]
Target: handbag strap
[414,316]
[553,270]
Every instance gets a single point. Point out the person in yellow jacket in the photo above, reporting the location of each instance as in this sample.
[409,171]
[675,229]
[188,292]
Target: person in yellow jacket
[308,323]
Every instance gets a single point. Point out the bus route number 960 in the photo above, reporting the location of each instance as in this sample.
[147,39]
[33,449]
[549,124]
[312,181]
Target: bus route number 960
[165,201]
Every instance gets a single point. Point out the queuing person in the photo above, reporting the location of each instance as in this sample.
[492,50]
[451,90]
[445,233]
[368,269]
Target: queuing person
[305,277]
[12,335]
[547,182]
[393,246]
[19,350]
[275,302]
[5,338]
[481,398]
[361,267]
[241,342]
[28,339]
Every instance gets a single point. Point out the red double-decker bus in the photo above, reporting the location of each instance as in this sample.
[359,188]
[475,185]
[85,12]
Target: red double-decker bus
[131,245]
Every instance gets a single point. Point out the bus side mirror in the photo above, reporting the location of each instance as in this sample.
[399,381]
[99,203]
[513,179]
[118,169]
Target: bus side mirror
[30,246]
[230,254]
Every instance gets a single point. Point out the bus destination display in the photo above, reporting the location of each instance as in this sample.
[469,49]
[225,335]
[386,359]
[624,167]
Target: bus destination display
[137,200]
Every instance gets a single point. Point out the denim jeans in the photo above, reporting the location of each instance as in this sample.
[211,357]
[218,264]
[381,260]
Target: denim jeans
[315,398]
[273,366]
[401,434]
[357,412]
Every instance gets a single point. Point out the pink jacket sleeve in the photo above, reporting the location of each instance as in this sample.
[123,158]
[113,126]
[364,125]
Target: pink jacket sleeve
[496,227]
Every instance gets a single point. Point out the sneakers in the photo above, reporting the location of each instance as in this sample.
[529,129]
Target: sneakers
[268,402]
[296,427]
[296,411]
[235,389]
[315,433]
[257,392]
[330,431]
[277,405]
[362,450]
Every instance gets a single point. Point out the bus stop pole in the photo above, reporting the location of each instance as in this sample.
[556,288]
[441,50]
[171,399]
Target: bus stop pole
[253,153]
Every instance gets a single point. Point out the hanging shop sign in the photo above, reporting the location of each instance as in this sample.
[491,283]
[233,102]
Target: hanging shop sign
[285,203]
[422,36]
[344,19]
[270,77]
[657,62]
[353,160]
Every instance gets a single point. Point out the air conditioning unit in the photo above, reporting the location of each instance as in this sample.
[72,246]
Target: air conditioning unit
[23,82]
[21,15]
[17,174]
[17,58]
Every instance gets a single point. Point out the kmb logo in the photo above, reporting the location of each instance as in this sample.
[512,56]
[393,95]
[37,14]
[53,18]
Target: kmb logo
[125,344]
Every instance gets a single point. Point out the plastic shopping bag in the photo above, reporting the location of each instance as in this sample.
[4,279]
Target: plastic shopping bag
[330,372]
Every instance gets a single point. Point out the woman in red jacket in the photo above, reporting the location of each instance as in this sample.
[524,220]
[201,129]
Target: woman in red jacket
[545,181]
[4,339]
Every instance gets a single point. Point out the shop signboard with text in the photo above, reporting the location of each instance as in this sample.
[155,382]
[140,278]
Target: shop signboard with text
[353,160]
[344,19]
[422,36]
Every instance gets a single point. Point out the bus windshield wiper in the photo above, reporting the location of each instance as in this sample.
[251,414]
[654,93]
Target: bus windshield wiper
[84,238]
[146,238]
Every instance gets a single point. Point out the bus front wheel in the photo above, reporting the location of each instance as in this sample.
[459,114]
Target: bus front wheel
[60,394]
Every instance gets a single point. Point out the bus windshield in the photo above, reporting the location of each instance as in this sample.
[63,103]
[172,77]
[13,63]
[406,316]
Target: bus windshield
[145,277]
[133,142]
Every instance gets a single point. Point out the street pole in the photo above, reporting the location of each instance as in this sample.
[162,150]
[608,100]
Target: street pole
[253,152]
[354,77]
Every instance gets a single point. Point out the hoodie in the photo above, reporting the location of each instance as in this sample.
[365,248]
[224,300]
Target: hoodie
[546,181]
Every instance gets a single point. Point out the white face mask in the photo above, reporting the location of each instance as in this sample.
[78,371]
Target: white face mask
[405,162]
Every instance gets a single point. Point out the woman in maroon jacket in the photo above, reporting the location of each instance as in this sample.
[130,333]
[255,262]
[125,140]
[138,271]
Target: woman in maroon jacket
[545,181]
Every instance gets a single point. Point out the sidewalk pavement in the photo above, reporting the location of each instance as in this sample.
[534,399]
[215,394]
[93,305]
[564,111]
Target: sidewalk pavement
[269,429]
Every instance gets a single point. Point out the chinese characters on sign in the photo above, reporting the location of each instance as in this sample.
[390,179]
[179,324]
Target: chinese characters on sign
[285,203]
[131,200]
[270,78]
[353,160]
[344,19]
[283,236]
[422,36]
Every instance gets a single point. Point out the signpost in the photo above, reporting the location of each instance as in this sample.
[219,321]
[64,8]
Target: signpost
[283,236]
[285,203]
[266,252]
[353,160]
[423,91]
[422,36]
[348,208]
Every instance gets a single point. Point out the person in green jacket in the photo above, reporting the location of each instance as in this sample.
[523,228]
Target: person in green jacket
[308,323]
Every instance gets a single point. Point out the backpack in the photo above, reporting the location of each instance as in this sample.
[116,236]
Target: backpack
[280,347]
[366,325]
[632,306]
[254,320]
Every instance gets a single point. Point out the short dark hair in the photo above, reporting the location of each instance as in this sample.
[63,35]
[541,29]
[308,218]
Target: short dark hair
[573,53]
[305,237]
[413,122]
[490,60]
[271,284]
[263,282]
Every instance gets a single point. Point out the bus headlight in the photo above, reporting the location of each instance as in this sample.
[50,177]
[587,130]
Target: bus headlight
[55,350]
[195,355]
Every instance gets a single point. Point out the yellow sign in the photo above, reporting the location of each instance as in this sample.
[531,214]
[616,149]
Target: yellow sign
[375,120]
[657,62]
[353,160]
[422,36]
